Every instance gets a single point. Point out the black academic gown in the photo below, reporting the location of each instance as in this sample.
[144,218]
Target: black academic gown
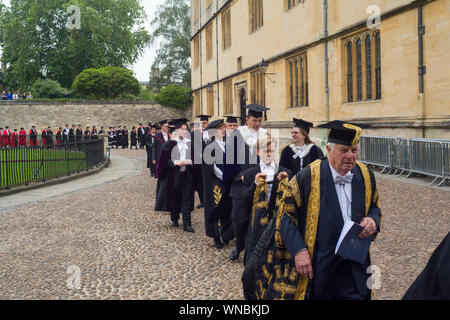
[79,135]
[244,158]
[334,277]
[149,142]
[197,135]
[214,190]
[158,145]
[433,283]
[249,180]
[174,190]
[296,165]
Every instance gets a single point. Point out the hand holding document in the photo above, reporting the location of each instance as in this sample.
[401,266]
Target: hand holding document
[350,246]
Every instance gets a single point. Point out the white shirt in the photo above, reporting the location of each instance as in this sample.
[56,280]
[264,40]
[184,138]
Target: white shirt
[344,194]
[165,136]
[182,149]
[269,170]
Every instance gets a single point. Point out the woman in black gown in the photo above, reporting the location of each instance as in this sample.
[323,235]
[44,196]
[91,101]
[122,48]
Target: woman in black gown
[301,151]
[133,138]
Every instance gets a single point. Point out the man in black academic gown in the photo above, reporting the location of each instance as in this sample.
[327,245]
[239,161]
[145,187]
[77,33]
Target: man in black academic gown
[232,124]
[72,136]
[79,134]
[214,189]
[141,136]
[241,155]
[319,200]
[196,135]
[174,192]
[149,140]
[160,139]
[49,138]
[125,137]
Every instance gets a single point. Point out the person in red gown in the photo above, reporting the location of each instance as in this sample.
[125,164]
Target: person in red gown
[22,138]
[6,135]
[14,138]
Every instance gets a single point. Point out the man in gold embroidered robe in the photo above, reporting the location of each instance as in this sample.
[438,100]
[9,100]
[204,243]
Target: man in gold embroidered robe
[317,203]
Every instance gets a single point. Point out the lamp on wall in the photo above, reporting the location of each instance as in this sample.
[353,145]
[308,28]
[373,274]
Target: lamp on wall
[263,66]
[209,88]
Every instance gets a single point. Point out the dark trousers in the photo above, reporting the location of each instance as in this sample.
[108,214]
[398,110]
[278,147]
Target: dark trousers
[240,224]
[223,229]
[341,286]
[183,200]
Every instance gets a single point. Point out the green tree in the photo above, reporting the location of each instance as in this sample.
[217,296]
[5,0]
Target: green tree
[106,83]
[47,89]
[37,43]
[174,96]
[172,64]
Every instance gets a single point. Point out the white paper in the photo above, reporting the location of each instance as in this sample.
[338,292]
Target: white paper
[347,226]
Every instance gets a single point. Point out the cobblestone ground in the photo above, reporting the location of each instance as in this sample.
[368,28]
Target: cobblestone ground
[124,250]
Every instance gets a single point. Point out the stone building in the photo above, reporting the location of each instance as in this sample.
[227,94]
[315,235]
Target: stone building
[381,62]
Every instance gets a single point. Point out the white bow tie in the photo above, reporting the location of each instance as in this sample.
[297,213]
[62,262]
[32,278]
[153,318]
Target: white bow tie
[344,179]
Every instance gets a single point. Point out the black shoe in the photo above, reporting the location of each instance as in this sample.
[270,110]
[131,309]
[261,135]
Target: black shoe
[175,224]
[188,229]
[234,254]
[218,244]
[200,206]
[226,242]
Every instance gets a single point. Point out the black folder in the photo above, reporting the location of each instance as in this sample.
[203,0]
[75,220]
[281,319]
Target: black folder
[351,246]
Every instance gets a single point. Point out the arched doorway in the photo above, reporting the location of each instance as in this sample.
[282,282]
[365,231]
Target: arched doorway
[243,103]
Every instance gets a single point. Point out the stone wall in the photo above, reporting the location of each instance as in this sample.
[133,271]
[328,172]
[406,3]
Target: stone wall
[25,113]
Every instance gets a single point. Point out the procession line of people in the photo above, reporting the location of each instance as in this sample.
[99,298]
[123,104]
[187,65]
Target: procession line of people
[21,139]
[271,209]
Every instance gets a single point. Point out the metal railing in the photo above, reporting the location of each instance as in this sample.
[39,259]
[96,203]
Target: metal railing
[398,155]
[21,165]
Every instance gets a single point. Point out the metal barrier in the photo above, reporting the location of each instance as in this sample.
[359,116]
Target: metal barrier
[423,156]
[376,151]
[23,165]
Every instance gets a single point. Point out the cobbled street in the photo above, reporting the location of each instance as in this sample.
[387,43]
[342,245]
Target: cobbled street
[124,250]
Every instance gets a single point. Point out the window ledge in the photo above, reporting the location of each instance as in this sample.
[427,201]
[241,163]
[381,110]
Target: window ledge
[355,103]
[299,107]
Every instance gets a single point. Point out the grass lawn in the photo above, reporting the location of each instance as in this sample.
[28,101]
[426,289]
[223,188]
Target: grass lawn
[20,166]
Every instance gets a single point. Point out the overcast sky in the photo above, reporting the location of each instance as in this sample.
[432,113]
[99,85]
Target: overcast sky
[142,67]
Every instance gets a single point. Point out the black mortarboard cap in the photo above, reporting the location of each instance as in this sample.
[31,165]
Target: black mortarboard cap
[256,110]
[203,117]
[180,122]
[231,119]
[302,124]
[163,122]
[344,133]
[215,124]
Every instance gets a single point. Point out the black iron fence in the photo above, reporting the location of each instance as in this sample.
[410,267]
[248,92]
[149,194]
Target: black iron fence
[41,160]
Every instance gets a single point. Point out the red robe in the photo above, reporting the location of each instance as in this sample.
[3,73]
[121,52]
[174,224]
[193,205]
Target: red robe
[13,140]
[1,140]
[6,134]
[22,138]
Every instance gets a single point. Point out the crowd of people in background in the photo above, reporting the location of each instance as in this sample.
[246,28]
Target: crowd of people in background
[15,95]
[14,138]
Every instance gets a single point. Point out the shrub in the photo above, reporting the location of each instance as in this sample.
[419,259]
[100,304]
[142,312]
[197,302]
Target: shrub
[174,96]
[49,89]
[106,83]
